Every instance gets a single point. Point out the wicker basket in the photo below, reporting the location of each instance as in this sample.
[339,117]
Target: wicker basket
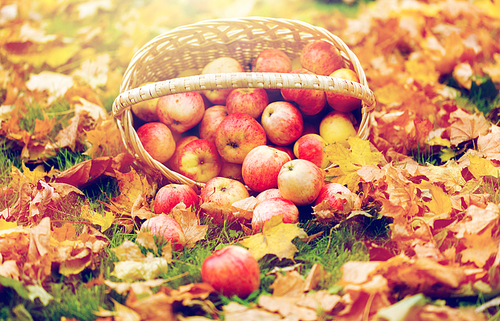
[162,59]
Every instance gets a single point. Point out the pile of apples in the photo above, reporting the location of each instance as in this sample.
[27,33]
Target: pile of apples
[248,143]
[251,141]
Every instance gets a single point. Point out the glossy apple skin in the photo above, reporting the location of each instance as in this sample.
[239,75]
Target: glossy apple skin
[268,208]
[300,181]
[321,57]
[282,122]
[339,102]
[329,191]
[173,162]
[251,101]
[309,102]
[272,60]
[165,229]
[157,140]
[231,170]
[199,160]
[237,135]
[268,193]
[210,121]
[223,192]
[220,65]
[261,167]
[231,270]
[170,195]
[336,127]
[181,112]
[312,148]
[146,110]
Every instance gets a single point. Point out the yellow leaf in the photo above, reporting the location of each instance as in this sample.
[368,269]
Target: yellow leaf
[4,225]
[276,238]
[480,167]
[34,175]
[104,222]
[54,56]
[440,203]
[449,174]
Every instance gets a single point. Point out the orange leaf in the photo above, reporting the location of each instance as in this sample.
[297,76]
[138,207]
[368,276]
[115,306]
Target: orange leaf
[466,126]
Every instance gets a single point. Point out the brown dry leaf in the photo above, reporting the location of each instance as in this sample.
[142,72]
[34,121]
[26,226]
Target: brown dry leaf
[316,275]
[104,139]
[190,223]
[476,219]
[488,145]
[291,284]
[84,173]
[120,312]
[190,292]
[276,238]
[449,174]
[466,126]
[243,209]
[155,307]
[134,187]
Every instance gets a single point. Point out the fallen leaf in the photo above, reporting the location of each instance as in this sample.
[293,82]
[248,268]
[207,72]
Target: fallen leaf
[466,126]
[190,223]
[275,238]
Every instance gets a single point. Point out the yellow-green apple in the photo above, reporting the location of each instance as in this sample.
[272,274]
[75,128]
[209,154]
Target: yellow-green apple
[268,193]
[231,270]
[170,195]
[340,102]
[261,167]
[300,181]
[339,197]
[321,57]
[157,140]
[222,192]
[173,162]
[182,111]
[272,60]
[210,121]
[251,101]
[312,148]
[166,230]
[199,160]
[146,110]
[337,127]
[272,207]
[282,122]
[220,65]
[231,170]
[310,102]
[238,134]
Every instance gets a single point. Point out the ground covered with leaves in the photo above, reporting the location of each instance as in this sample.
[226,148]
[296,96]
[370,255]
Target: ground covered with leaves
[425,245]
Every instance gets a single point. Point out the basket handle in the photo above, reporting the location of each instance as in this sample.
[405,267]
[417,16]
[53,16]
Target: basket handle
[244,80]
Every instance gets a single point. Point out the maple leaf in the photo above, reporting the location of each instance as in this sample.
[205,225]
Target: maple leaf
[440,202]
[351,160]
[190,223]
[449,174]
[479,247]
[480,167]
[488,145]
[275,238]
[476,219]
[134,188]
[104,221]
[466,126]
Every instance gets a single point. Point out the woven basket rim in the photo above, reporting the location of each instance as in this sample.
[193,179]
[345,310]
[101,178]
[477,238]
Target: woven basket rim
[129,96]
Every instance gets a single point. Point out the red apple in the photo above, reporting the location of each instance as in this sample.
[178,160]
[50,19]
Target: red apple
[157,140]
[199,160]
[300,181]
[181,112]
[282,122]
[268,193]
[272,60]
[321,57]
[231,270]
[220,65]
[172,194]
[251,101]
[287,149]
[261,167]
[231,170]
[210,121]
[173,163]
[330,192]
[337,127]
[222,192]
[312,148]
[272,207]
[237,135]
[165,229]
[340,102]
[310,102]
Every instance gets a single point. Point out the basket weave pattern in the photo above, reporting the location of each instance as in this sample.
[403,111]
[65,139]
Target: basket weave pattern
[166,56]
